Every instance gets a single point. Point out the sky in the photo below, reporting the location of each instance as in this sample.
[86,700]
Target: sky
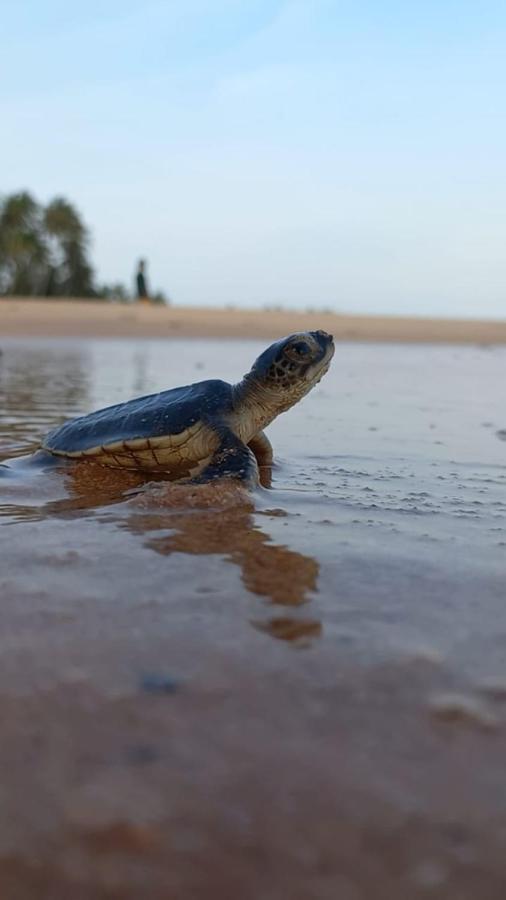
[338,154]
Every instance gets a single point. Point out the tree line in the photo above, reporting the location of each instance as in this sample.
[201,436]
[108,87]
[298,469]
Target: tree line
[44,251]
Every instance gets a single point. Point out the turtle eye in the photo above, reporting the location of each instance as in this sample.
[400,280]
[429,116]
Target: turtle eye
[300,349]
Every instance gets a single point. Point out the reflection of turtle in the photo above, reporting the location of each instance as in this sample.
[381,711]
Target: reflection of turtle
[204,430]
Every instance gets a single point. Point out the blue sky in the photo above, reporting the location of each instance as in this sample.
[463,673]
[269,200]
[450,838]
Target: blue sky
[306,153]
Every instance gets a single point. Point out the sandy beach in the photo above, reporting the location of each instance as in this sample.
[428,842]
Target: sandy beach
[81,318]
[298,693]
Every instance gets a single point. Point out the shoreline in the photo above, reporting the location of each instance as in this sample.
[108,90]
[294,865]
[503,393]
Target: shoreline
[90,318]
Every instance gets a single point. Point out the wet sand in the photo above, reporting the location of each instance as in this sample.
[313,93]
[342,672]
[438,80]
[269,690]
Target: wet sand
[295,693]
[71,318]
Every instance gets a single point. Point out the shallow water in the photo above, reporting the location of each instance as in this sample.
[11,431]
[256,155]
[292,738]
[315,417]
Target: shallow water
[395,457]
[358,608]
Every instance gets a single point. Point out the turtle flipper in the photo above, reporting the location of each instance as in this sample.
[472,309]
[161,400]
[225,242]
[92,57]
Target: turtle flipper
[232,459]
[262,449]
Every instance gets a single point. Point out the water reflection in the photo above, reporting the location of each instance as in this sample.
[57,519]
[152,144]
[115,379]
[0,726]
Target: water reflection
[140,383]
[57,487]
[286,629]
[222,523]
[215,519]
[36,393]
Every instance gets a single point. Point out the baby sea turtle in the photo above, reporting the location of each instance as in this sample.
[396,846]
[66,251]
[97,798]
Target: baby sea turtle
[205,430]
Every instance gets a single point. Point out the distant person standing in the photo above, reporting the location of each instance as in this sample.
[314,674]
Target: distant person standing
[142,290]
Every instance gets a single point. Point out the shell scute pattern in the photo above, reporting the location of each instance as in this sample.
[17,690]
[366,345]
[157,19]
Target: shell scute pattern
[170,419]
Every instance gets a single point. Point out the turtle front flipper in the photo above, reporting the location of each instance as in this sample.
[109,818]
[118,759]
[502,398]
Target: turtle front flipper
[262,448]
[232,459]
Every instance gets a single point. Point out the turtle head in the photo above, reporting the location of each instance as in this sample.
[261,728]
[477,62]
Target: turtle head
[288,369]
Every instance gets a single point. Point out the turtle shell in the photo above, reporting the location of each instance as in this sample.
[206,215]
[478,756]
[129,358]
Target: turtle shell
[168,413]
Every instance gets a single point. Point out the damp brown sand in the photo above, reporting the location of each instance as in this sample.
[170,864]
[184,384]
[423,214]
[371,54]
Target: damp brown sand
[288,693]
[80,318]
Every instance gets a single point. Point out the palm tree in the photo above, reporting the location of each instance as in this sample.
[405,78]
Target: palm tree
[23,251]
[69,272]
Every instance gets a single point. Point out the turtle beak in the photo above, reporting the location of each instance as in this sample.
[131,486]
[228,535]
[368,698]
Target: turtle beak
[326,342]
[320,366]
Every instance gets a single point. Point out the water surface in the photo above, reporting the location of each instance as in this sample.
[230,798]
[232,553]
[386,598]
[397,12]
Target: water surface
[342,634]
